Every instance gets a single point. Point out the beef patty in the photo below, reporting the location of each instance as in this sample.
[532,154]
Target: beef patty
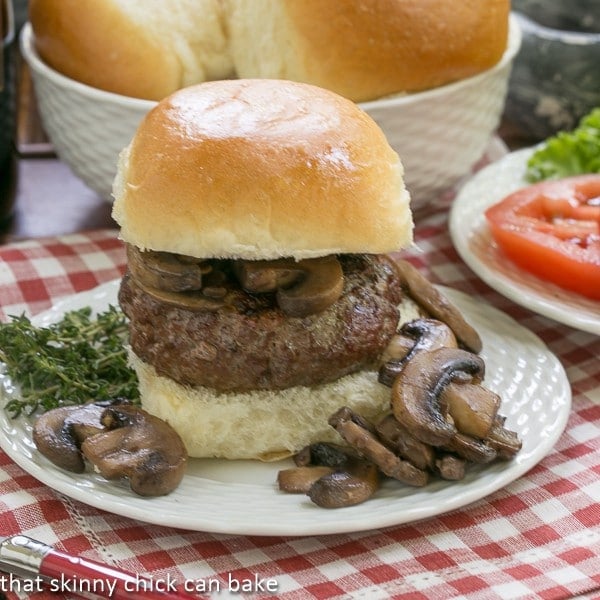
[250,344]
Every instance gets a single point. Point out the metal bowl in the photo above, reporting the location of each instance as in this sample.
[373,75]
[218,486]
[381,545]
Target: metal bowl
[555,78]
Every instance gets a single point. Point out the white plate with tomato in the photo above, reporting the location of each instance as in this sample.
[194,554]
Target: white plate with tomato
[538,256]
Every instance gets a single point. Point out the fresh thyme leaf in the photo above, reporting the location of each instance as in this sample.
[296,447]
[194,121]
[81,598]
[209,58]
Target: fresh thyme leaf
[75,360]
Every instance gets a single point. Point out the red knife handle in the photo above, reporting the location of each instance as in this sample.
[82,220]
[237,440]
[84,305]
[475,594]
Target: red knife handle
[73,573]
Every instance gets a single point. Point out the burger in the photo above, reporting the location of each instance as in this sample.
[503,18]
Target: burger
[258,216]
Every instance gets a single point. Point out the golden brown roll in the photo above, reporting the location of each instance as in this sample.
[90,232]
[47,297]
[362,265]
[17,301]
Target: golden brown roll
[219,178]
[361,50]
[259,169]
[366,50]
[139,48]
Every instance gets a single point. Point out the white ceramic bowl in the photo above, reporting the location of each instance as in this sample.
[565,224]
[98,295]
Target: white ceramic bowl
[88,127]
[439,134]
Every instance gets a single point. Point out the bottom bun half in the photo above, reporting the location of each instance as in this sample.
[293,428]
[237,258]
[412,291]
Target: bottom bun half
[264,425]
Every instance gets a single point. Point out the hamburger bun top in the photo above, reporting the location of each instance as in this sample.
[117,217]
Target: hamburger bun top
[260,169]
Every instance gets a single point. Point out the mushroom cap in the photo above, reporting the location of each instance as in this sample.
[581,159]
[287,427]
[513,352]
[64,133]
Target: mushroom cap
[416,390]
[139,446]
[56,441]
[58,433]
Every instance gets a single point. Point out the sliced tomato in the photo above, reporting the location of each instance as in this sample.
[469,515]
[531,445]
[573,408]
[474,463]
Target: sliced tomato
[552,229]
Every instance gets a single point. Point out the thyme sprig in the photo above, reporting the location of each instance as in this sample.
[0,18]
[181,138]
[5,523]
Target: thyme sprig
[80,358]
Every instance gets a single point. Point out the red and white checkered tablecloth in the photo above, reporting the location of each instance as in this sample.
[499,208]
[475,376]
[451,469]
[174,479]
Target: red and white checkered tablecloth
[537,538]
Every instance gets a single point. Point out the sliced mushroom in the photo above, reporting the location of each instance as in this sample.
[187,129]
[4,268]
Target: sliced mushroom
[345,413]
[505,442]
[262,276]
[416,391]
[321,285]
[87,420]
[57,442]
[471,449]
[473,408]
[193,301]
[451,467]
[299,480]
[139,446]
[349,487]
[398,439]
[398,348]
[303,287]
[166,271]
[425,334]
[58,433]
[372,449]
[324,454]
[437,305]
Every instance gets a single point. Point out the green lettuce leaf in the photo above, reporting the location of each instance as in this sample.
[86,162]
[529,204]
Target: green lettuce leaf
[568,152]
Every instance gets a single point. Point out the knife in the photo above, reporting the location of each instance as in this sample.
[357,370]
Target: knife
[26,558]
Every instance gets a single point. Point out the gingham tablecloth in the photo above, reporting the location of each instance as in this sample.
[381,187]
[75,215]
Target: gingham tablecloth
[537,538]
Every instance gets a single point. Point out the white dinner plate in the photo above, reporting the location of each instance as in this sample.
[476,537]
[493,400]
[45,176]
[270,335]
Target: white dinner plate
[473,241]
[241,497]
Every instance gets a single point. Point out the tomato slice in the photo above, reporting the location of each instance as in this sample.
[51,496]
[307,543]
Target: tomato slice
[552,230]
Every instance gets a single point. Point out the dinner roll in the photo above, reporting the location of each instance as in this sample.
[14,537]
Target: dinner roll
[140,48]
[361,50]
[366,50]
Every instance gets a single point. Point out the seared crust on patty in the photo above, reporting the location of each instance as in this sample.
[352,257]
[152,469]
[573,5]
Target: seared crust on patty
[250,344]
